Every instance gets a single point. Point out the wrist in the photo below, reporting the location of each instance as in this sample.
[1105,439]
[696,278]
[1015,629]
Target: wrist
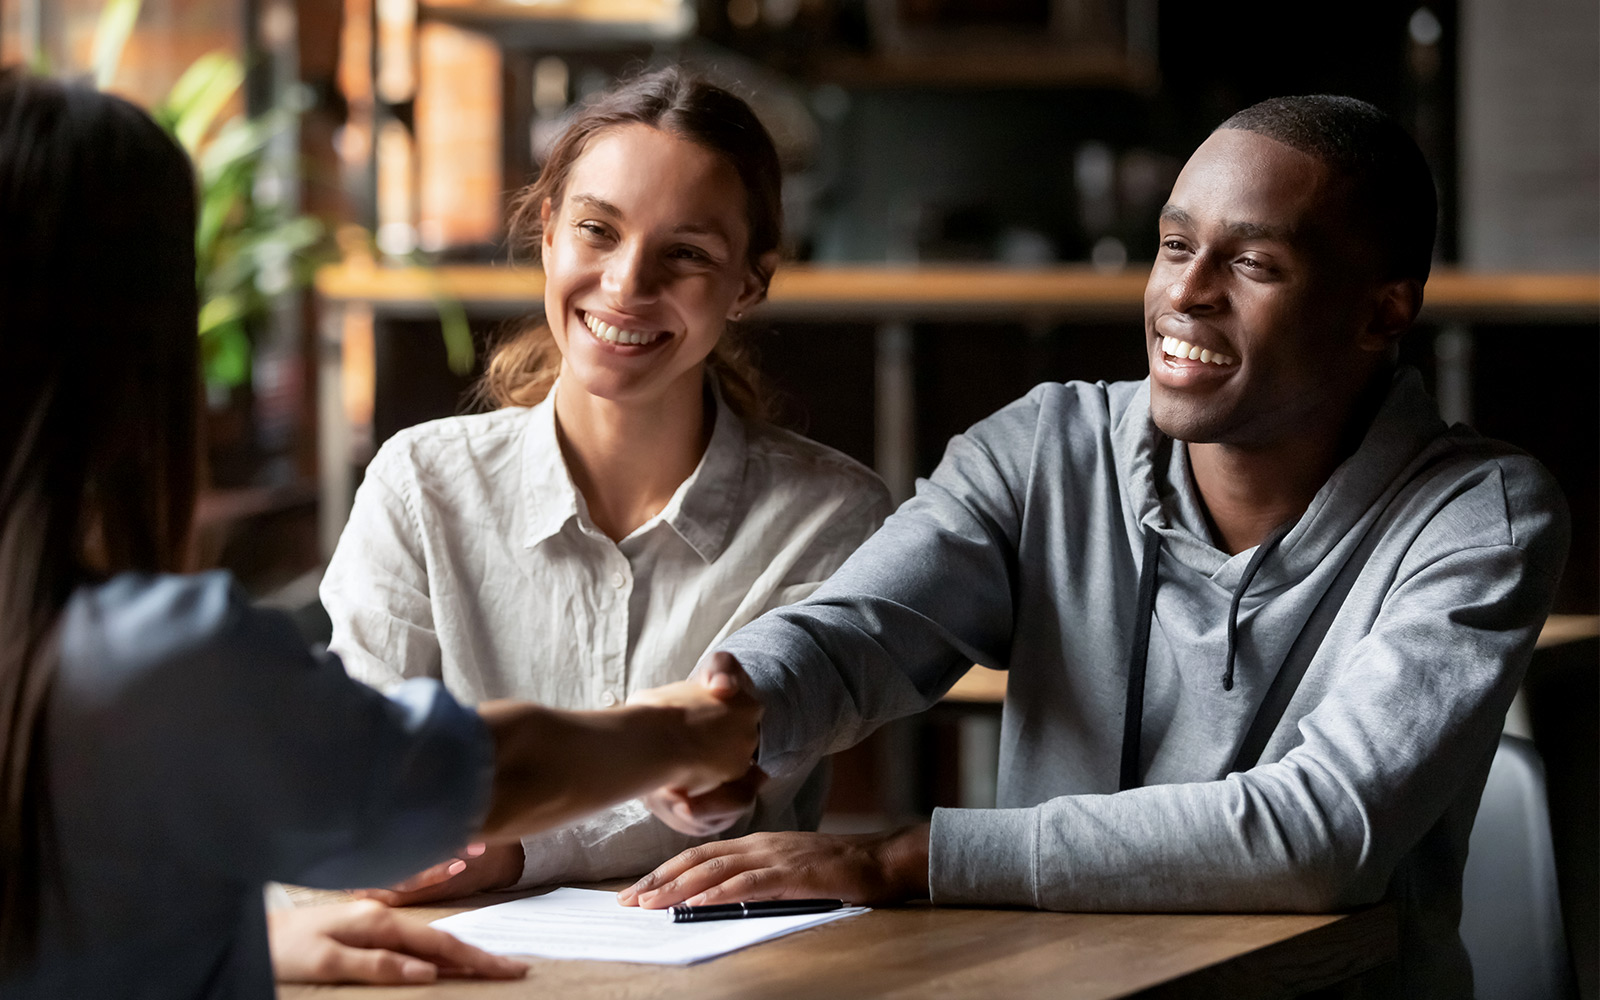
[902,857]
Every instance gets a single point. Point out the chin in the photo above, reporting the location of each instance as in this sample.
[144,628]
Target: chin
[1188,423]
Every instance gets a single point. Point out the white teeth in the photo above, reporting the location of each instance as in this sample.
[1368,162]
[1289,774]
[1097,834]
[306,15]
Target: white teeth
[616,335]
[1184,350]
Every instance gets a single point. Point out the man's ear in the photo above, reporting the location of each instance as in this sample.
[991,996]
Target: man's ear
[755,284]
[1394,310]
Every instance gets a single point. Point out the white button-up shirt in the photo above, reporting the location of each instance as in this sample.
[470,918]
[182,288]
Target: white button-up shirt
[470,557]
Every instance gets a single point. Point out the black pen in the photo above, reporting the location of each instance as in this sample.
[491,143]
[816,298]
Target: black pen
[766,908]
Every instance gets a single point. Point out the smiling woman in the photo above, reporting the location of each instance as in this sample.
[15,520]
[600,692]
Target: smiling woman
[627,506]
[666,109]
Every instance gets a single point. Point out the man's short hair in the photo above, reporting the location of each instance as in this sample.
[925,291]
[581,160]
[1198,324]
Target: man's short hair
[1392,187]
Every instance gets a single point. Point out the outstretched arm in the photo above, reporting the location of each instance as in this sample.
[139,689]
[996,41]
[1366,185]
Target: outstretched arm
[1395,745]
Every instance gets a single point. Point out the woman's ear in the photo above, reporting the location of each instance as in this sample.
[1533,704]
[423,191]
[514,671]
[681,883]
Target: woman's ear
[755,285]
[546,236]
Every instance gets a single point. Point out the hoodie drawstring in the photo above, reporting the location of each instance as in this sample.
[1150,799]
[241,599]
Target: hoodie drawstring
[1139,655]
[1267,545]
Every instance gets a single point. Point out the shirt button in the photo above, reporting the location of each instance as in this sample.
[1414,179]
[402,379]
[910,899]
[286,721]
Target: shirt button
[618,580]
[608,699]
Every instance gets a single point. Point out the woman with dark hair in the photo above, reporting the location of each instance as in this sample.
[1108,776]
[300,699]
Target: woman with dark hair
[627,505]
[164,747]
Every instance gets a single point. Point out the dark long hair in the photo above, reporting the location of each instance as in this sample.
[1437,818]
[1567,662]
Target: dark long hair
[98,397]
[688,106]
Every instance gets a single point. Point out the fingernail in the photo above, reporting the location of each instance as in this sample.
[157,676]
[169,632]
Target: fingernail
[474,850]
[415,971]
[457,867]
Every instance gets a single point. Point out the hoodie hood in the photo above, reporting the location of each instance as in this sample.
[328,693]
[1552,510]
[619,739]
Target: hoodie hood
[1161,491]
[1263,597]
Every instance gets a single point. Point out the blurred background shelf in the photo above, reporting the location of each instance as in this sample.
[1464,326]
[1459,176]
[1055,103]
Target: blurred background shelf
[874,292]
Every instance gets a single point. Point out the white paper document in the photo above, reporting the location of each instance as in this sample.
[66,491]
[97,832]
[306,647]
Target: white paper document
[585,923]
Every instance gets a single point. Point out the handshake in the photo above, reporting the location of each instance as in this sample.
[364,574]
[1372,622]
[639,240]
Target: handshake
[699,806]
[685,749]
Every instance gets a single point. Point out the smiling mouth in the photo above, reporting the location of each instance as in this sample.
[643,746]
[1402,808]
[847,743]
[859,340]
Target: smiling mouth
[1185,351]
[617,335]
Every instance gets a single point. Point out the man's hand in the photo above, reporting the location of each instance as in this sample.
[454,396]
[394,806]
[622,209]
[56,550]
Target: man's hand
[708,814]
[865,869]
[480,868]
[366,942]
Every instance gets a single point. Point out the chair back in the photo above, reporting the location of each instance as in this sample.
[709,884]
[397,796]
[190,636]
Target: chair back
[1510,912]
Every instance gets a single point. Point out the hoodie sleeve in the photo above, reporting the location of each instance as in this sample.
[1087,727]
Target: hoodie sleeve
[1411,719]
[913,608]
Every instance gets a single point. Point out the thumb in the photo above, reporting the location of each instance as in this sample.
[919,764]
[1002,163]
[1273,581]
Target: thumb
[721,674]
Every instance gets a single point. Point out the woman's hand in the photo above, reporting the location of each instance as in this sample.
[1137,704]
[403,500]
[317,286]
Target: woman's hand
[553,766]
[480,868]
[864,869]
[366,942]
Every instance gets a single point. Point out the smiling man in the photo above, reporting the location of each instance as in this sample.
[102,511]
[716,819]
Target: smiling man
[1263,612]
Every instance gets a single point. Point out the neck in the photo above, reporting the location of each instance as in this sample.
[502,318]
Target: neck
[627,459]
[1248,490]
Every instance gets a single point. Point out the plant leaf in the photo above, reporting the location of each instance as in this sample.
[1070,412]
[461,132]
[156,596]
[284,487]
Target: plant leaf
[218,310]
[199,95]
[226,351]
[111,33]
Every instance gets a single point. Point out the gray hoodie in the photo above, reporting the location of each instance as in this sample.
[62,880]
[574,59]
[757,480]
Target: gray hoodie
[1416,583]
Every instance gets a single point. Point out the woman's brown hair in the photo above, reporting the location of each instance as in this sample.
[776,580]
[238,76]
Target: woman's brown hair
[685,105]
[98,396]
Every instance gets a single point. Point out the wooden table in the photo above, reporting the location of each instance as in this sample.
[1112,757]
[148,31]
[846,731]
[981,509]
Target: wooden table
[925,951]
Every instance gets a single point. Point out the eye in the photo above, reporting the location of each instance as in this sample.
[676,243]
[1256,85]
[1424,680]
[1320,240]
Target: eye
[595,232]
[1174,245]
[690,254]
[1255,267]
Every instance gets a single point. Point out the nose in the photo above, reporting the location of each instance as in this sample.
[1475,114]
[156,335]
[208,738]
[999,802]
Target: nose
[1195,288]
[628,275]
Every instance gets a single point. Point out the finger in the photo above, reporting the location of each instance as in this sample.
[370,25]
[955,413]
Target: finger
[454,955]
[702,877]
[454,887]
[735,795]
[379,966]
[432,876]
[672,868]
[703,822]
[750,886]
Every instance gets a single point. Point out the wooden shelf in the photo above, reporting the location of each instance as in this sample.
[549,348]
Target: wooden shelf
[969,292]
[983,686]
[567,24]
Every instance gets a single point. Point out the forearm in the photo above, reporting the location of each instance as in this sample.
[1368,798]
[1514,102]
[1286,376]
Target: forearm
[1231,845]
[604,758]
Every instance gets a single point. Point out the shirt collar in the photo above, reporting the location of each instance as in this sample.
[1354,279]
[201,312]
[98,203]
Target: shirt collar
[701,510]
[549,497]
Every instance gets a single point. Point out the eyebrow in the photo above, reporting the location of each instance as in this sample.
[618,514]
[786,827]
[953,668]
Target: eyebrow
[1238,230]
[687,229]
